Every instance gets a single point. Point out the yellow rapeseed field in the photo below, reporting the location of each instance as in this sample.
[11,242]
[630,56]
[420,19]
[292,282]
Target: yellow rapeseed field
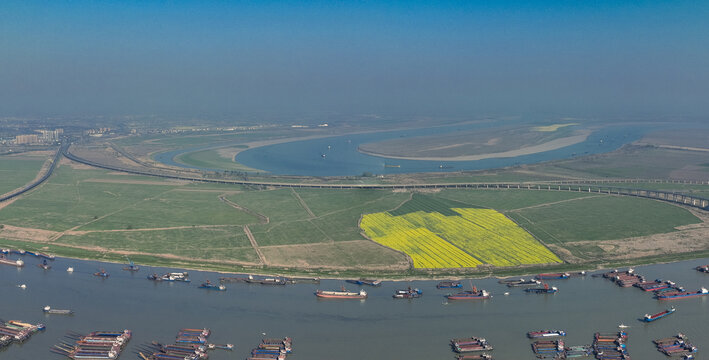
[477,236]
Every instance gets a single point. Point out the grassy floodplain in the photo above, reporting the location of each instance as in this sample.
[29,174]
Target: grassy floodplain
[16,171]
[98,214]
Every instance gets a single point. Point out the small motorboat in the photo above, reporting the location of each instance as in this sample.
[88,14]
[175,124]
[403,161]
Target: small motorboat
[102,273]
[44,265]
[209,286]
[131,266]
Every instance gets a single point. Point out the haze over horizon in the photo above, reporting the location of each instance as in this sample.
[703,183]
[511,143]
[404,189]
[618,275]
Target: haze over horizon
[212,58]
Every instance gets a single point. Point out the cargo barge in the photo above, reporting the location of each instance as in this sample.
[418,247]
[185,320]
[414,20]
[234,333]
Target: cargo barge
[17,263]
[369,282]
[449,285]
[343,294]
[660,315]
[543,290]
[553,276]
[474,294]
[673,295]
[408,293]
[545,333]
[48,310]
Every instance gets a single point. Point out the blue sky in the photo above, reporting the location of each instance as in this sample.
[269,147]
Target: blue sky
[469,58]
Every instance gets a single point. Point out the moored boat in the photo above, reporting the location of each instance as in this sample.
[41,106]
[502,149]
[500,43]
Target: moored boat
[327,294]
[671,295]
[6,261]
[543,290]
[408,293]
[545,333]
[209,286]
[175,276]
[530,282]
[131,266]
[552,276]
[449,285]
[369,282]
[474,294]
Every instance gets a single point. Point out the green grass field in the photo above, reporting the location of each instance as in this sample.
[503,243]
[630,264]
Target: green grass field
[174,222]
[201,243]
[16,171]
[335,213]
[601,218]
[508,199]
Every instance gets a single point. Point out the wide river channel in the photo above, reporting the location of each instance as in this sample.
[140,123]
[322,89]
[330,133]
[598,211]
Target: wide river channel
[379,327]
[339,155]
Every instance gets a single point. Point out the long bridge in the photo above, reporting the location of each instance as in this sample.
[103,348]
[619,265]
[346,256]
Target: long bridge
[590,186]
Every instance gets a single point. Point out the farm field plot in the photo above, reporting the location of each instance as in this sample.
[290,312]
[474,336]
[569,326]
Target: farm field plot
[17,171]
[508,199]
[602,218]
[462,237]
[333,214]
[223,243]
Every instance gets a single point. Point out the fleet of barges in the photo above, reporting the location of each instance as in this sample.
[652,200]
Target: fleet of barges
[272,349]
[471,344]
[676,346]
[94,346]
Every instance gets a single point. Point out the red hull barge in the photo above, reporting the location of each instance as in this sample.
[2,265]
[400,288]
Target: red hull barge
[672,295]
[554,276]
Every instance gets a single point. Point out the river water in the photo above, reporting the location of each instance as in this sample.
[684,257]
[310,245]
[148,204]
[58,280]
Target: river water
[376,328]
[341,157]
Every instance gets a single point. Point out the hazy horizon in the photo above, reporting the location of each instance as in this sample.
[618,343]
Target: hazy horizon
[447,58]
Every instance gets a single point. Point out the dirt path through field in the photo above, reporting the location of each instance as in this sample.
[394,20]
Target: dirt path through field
[553,203]
[303,204]
[254,245]
[263,219]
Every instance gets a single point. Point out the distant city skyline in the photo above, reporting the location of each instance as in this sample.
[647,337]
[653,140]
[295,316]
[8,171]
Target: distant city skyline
[461,58]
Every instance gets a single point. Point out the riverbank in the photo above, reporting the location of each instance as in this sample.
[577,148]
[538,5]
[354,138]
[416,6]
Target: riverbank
[343,274]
